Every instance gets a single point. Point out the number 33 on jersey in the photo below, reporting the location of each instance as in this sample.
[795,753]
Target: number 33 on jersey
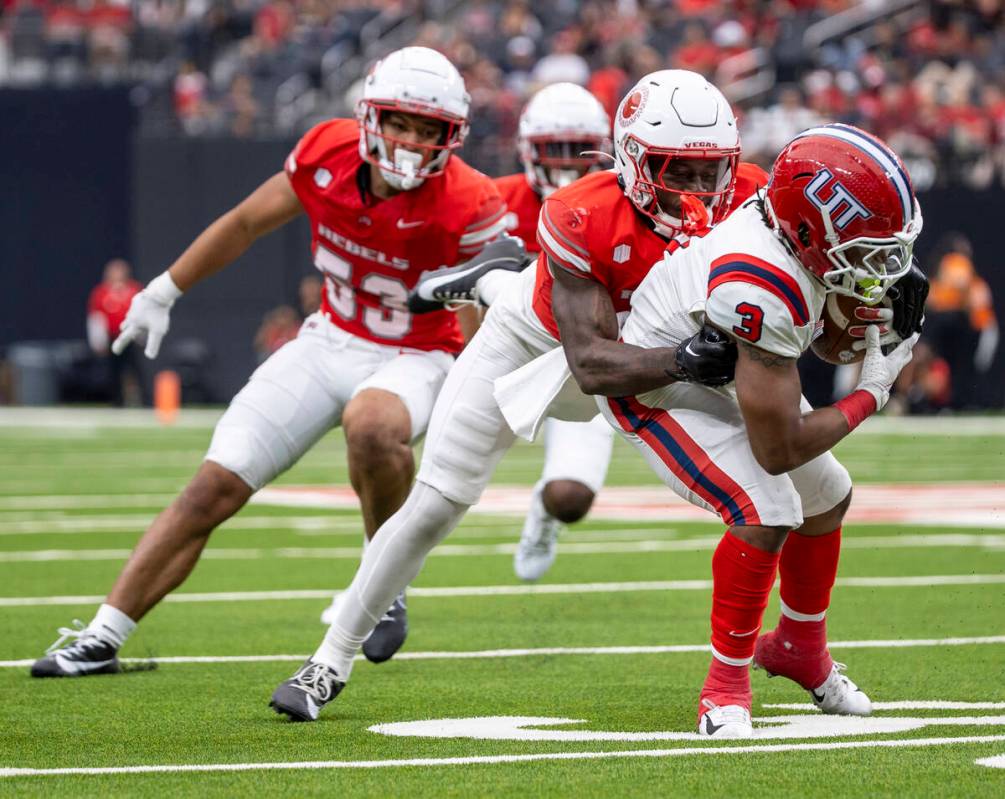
[371,251]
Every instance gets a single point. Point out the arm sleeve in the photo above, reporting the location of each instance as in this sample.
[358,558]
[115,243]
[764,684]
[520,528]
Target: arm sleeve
[757,316]
[488,220]
[561,234]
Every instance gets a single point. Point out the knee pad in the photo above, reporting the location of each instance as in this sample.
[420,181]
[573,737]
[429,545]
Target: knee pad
[822,486]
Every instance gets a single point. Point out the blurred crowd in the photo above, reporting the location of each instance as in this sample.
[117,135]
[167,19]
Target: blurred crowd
[925,74]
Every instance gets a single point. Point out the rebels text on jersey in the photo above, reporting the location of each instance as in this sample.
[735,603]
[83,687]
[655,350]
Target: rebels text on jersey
[590,229]
[523,206]
[372,251]
[741,278]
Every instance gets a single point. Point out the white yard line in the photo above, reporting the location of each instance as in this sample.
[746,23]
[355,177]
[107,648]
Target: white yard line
[515,590]
[138,523]
[896,743]
[490,654]
[987,542]
[195,418]
[911,704]
[78,501]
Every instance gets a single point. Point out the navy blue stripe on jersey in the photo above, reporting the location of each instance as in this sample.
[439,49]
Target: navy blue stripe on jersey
[771,278]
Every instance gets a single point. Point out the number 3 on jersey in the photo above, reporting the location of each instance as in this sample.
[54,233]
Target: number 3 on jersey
[387,321]
[751,320]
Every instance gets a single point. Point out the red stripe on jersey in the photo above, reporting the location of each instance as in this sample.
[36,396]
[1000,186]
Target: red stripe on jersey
[690,464]
[744,268]
[482,224]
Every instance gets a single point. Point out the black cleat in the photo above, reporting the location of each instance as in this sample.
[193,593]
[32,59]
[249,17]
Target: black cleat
[87,655]
[389,635]
[458,284]
[303,695]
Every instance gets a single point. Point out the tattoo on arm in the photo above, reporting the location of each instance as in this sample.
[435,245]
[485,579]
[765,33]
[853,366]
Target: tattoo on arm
[764,357]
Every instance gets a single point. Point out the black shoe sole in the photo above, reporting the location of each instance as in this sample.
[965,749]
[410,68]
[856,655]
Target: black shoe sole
[42,673]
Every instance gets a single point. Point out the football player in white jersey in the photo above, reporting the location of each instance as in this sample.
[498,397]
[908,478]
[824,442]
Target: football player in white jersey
[838,215]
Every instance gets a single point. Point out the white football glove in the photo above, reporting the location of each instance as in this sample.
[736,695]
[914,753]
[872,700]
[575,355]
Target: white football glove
[873,317]
[149,313]
[879,371]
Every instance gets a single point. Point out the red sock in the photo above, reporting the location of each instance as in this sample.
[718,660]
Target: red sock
[725,685]
[808,568]
[742,577]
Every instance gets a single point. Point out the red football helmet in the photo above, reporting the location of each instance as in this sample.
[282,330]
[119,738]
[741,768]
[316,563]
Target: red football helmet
[841,199]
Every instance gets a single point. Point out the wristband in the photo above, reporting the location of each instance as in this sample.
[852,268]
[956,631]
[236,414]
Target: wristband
[856,407]
[163,289]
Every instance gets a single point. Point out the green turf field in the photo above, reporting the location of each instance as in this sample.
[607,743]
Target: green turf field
[611,643]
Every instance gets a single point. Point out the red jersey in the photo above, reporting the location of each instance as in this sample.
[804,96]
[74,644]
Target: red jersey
[590,229]
[112,302]
[372,251]
[523,205]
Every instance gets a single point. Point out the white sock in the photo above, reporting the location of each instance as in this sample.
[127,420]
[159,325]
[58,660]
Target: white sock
[111,625]
[492,284]
[390,562]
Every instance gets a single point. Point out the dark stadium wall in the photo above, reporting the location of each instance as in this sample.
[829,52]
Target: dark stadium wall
[65,166]
[179,187]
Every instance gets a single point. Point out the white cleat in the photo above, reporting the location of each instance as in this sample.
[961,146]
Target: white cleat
[538,542]
[839,695]
[725,721]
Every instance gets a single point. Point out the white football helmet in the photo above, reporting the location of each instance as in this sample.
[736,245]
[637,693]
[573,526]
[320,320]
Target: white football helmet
[412,80]
[564,132]
[675,114]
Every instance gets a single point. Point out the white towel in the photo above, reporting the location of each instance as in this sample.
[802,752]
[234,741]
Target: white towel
[540,389]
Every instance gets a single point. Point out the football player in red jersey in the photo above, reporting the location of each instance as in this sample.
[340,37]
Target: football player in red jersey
[468,434]
[387,199]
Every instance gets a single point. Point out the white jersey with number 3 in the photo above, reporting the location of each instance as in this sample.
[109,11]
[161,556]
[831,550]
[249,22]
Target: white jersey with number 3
[741,278]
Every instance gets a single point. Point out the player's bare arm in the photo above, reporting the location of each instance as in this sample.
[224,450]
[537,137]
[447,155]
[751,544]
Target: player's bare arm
[589,328]
[769,392]
[270,206]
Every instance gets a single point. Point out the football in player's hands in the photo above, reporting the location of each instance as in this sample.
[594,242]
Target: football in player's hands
[840,337]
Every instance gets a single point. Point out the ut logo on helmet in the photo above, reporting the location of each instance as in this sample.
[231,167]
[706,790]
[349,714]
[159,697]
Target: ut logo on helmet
[839,198]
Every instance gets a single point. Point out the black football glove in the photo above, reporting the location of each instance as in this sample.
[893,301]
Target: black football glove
[908,299]
[708,357]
